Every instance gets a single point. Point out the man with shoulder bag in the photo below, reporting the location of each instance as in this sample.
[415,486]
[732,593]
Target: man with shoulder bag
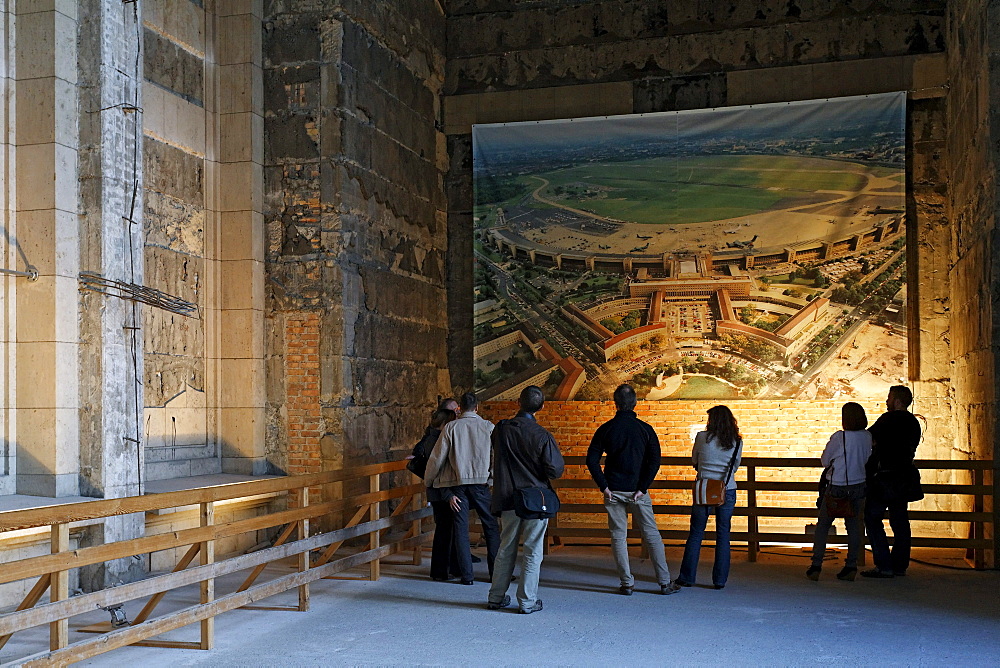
[893,482]
[525,458]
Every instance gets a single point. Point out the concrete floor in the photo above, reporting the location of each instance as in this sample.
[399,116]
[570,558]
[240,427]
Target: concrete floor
[770,614]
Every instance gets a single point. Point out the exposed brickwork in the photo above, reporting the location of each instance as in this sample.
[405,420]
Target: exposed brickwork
[782,428]
[302,374]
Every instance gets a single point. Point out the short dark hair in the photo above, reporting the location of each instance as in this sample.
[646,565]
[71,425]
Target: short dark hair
[625,397]
[853,416]
[532,399]
[442,405]
[468,402]
[441,417]
[902,393]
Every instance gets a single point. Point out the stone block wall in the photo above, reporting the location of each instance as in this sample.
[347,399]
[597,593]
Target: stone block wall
[355,216]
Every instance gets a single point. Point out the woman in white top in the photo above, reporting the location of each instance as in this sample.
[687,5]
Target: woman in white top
[844,457]
[716,456]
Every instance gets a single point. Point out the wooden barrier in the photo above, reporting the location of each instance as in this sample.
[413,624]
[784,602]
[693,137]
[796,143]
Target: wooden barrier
[977,544]
[52,570]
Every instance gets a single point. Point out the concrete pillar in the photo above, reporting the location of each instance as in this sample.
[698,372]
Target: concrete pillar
[855,242]
[589,262]
[9,259]
[627,265]
[558,259]
[234,199]
[826,251]
[880,233]
[532,257]
[48,434]
[111,244]
[748,261]
[789,255]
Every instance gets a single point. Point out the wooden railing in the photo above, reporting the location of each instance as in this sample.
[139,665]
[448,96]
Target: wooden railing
[976,544]
[294,540]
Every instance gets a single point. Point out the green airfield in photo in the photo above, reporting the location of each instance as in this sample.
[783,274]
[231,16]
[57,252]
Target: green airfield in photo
[704,387]
[702,188]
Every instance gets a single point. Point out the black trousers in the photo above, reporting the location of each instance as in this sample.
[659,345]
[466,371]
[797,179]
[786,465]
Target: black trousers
[899,519]
[442,556]
[473,497]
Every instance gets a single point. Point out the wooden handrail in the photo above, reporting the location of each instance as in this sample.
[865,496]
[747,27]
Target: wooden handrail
[813,462]
[98,508]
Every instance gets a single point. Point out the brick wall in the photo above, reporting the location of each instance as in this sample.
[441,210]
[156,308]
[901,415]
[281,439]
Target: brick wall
[772,428]
[302,392]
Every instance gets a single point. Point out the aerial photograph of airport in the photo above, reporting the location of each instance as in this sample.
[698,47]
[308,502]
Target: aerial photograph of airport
[740,252]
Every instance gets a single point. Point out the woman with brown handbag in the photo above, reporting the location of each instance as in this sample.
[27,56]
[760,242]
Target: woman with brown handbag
[716,457]
[842,489]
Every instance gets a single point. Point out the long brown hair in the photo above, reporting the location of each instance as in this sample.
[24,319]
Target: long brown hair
[723,427]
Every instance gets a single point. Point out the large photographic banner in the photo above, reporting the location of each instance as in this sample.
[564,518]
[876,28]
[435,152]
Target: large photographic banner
[750,252]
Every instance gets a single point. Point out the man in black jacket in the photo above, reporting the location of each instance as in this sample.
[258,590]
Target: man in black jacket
[893,481]
[633,458]
[524,455]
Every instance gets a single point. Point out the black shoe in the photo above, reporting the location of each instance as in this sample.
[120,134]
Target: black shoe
[490,605]
[671,588]
[681,583]
[719,586]
[450,578]
[876,573]
[467,582]
[848,573]
[813,573]
[899,574]
[475,559]
[535,608]
[625,590]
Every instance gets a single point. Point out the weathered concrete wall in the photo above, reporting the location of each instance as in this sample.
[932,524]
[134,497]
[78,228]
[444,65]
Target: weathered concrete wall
[508,45]
[973,118]
[511,61]
[356,235]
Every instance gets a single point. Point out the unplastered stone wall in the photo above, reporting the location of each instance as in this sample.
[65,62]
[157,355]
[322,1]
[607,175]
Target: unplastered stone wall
[177,416]
[973,117]
[785,428]
[354,211]
[516,61]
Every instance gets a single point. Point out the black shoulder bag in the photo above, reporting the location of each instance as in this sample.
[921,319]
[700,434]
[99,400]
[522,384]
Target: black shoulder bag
[530,503]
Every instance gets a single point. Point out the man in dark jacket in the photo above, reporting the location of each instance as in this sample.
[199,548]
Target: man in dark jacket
[524,455]
[893,481]
[633,458]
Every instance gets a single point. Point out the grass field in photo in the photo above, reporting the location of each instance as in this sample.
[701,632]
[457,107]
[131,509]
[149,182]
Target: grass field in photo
[701,188]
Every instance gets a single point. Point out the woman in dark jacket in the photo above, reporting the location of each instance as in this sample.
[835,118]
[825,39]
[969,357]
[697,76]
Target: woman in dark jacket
[441,552]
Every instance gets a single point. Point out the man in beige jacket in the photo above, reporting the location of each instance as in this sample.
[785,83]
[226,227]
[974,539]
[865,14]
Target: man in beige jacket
[461,462]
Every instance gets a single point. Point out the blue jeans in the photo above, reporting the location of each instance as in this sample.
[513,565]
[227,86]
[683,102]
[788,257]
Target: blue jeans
[855,530]
[692,549]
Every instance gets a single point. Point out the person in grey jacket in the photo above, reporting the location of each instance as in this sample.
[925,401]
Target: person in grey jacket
[716,456]
[525,455]
[460,462]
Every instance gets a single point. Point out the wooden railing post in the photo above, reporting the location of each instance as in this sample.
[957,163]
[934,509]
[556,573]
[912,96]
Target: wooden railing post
[753,528]
[375,540]
[207,554]
[59,630]
[304,557]
[995,480]
[419,501]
